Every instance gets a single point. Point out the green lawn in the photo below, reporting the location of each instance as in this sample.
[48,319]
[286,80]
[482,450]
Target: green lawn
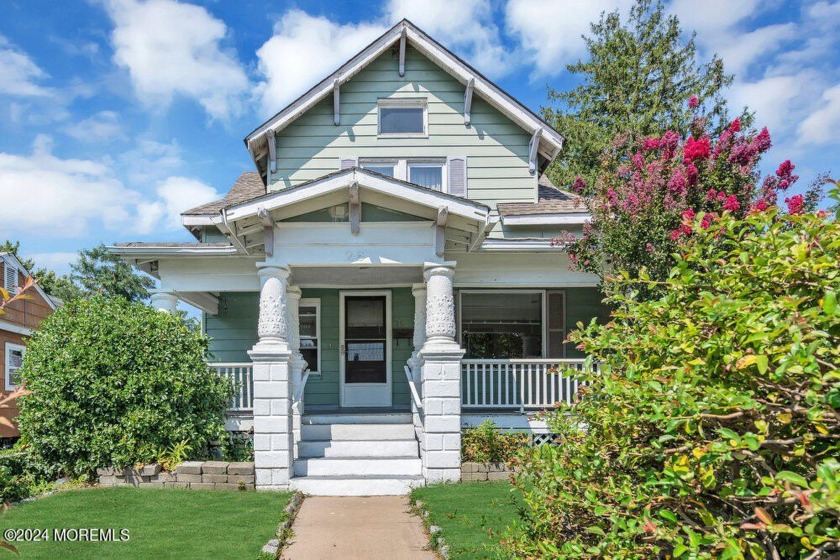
[162,523]
[472,517]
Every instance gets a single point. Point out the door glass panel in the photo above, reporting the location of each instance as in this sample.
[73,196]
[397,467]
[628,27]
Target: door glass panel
[364,338]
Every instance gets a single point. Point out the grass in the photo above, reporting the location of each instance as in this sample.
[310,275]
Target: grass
[472,517]
[162,523]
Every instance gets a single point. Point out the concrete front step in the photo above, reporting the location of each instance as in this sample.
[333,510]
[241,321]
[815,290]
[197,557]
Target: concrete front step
[378,418]
[356,486]
[359,466]
[356,432]
[386,448]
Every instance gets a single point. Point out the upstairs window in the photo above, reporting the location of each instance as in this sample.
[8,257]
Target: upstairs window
[382,167]
[426,174]
[402,118]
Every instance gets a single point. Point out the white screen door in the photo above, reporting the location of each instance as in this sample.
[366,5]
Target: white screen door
[365,348]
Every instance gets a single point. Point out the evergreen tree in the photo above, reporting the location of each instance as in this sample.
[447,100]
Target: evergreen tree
[637,80]
[99,271]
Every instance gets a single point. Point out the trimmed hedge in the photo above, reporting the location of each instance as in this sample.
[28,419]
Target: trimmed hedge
[116,383]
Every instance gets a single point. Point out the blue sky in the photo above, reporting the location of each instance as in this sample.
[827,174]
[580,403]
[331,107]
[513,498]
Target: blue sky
[117,114]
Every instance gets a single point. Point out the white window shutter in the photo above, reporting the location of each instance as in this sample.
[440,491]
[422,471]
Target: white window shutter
[457,175]
[11,280]
[556,316]
[346,162]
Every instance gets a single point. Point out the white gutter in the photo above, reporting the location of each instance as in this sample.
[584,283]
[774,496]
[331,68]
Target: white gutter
[530,245]
[164,251]
[574,218]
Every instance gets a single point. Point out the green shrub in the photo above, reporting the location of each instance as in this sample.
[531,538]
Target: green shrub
[486,444]
[116,383]
[713,430]
[237,447]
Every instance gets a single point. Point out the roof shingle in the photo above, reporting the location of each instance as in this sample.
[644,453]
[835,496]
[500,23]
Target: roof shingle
[247,187]
[551,201]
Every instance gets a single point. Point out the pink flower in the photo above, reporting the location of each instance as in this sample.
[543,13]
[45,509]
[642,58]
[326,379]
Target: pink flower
[759,206]
[795,204]
[677,183]
[639,160]
[731,203]
[691,173]
[579,185]
[735,126]
[785,168]
[706,221]
[693,102]
[688,215]
[711,195]
[649,247]
[696,149]
[651,143]
[676,234]
[762,140]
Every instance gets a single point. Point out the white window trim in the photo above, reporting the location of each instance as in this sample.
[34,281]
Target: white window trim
[402,165]
[543,314]
[316,303]
[10,347]
[402,104]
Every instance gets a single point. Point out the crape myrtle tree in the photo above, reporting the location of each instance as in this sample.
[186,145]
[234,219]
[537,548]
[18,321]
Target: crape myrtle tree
[635,80]
[650,190]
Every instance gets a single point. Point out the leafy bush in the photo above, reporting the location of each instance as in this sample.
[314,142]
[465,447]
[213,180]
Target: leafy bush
[237,446]
[713,430]
[486,444]
[116,383]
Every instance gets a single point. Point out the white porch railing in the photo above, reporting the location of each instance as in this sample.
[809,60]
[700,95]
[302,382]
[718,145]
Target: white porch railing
[241,376]
[518,384]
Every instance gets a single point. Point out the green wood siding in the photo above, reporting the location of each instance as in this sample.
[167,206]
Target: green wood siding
[234,330]
[582,304]
[496,148]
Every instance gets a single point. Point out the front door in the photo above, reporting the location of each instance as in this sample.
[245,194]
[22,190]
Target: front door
[365,348]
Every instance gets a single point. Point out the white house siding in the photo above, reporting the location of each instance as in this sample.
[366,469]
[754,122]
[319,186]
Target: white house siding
[496,148]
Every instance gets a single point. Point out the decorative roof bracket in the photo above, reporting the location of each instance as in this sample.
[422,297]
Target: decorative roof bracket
[336,104]
[468,95]
[403,39]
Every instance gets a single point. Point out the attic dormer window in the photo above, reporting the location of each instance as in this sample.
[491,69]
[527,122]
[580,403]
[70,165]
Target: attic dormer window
[402,118]
[10,278]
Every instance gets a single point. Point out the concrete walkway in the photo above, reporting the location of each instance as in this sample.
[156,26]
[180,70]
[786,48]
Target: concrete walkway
[350,527]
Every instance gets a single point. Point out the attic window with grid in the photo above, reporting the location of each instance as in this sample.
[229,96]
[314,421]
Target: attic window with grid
[402,118]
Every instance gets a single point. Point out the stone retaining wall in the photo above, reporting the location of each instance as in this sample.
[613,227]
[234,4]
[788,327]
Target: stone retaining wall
[210,475]
[474,472]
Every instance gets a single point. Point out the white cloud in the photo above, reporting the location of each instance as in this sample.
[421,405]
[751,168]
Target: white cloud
[713,16]
[175,194]
[823,125]
[740,50]
[171,48]
[20,74]
[550,31]
[100,127]
[303,51]
[45,195]
[150,161]
[772,98]
[465,27]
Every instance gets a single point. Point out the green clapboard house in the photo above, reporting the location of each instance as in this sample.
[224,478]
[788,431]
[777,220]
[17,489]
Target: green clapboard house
[387,275]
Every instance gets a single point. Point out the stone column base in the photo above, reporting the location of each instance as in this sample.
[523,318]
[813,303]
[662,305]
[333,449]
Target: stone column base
[273,430]
[441,379]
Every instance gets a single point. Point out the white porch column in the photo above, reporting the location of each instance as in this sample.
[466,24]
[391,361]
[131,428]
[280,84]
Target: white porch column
[415,362]
[273,444]
[297,362]
[441,378]
[165,301]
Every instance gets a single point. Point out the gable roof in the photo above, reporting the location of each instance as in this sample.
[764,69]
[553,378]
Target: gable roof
[550,140]
[12,258]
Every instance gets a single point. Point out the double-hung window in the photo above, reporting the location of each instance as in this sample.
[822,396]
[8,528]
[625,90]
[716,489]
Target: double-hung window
[426,174]
[309,321]
[14,361]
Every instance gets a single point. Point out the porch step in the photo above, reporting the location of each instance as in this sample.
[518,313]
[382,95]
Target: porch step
[359,466]
[357,485]
[371,448]
[356,432]
[378,418]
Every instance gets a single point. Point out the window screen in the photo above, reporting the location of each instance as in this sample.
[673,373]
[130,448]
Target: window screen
[501,324]
[429,175]
[401,120]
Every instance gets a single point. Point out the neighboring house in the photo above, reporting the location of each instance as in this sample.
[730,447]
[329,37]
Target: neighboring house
[391,265]
[17,322]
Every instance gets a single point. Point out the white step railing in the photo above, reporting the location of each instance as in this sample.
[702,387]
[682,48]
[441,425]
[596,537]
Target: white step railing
[518,384]
[241,376]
